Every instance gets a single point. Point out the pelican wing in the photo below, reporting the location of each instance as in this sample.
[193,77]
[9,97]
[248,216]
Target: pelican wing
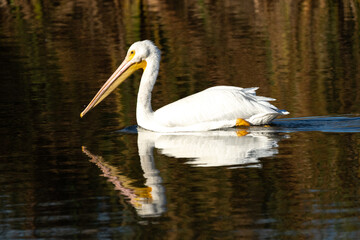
[217,104]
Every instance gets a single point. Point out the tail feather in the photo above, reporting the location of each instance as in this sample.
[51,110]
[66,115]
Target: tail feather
[283,112]
[265,118]
[251,91]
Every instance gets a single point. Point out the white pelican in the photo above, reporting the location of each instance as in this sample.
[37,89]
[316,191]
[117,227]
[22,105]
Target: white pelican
[214,108]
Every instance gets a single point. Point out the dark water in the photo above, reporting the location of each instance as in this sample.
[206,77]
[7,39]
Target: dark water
[62,176]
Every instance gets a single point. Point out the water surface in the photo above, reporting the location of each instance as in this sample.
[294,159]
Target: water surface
[62,176]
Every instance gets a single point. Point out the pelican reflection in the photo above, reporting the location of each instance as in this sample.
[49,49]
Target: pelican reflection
[149,201]
[228,147]
[215,148]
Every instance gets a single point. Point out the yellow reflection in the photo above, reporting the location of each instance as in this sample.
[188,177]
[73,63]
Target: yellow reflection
[141,198]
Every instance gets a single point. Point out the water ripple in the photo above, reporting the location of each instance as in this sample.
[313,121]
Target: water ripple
[344,123]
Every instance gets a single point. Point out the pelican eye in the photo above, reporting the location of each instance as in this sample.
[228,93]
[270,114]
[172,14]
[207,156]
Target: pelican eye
[131,54]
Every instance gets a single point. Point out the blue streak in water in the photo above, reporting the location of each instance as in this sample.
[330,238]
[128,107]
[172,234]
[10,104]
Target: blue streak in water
[321,123]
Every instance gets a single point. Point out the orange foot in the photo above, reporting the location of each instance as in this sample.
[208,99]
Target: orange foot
[242,123]
[241,133]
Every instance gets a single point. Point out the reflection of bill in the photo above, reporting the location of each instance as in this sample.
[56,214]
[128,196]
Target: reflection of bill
[215,148]
[148,201]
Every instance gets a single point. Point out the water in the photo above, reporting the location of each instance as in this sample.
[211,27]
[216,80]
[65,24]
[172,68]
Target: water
[66,177]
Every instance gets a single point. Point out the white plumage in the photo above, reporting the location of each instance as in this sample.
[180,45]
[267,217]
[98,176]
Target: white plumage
[214,108]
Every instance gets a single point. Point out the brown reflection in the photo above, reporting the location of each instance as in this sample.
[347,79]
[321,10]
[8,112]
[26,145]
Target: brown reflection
[313,189]
[308,54]
[300,53]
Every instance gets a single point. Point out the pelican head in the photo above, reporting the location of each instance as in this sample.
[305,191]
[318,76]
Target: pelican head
[137,57]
